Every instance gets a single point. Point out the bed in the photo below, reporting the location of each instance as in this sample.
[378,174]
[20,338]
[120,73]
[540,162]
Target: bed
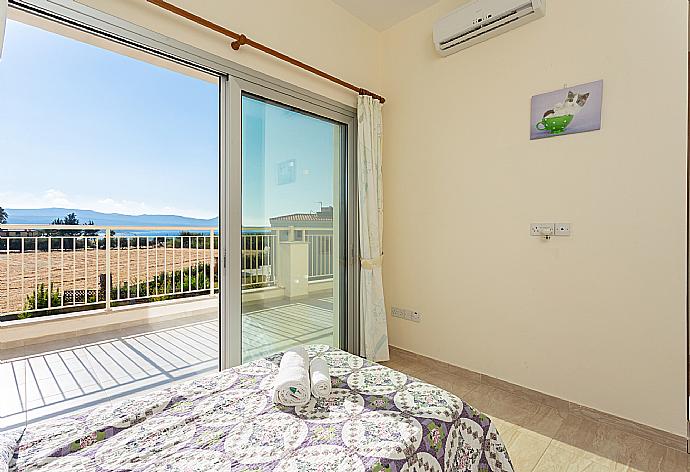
[376,420]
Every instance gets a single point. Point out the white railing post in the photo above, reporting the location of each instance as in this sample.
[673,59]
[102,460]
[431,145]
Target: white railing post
[213,269]
[107,269]
[263,244]
[50,273]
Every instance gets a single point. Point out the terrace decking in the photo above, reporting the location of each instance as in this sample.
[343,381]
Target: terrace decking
[51,379]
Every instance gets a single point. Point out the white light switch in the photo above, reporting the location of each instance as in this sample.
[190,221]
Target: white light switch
[562,229]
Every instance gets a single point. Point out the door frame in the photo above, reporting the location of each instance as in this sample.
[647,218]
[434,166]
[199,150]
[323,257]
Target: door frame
[348,266]
[231,75]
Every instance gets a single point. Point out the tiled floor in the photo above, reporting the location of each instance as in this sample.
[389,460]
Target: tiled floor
[541,439]
[267,329]
[62,377]
[48,380]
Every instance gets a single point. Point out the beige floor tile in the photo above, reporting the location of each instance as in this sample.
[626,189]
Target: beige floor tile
[526,448]
[435,377]
[458,385]
[606,447]
[516,410]
[404,366]
[540,438]
[562,458]
[676,461]
[505,429]
[462,386]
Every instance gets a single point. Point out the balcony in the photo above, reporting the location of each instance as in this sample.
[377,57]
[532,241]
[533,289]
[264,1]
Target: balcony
[98,313]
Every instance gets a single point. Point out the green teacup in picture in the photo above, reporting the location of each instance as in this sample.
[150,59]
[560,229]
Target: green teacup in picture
[555,124]
[566,111]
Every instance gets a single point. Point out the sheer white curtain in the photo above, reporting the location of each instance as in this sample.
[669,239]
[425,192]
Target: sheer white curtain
[3,20]
[370,182]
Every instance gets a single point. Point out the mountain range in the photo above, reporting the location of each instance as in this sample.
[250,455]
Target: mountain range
[45,216]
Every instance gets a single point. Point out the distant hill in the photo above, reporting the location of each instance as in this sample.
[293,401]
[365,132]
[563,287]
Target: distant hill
[46,216]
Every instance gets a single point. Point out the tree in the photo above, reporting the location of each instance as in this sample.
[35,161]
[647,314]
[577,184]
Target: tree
[70,219]
[3,216]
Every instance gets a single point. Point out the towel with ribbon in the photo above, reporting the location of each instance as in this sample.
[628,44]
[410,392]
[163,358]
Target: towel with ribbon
[292,384]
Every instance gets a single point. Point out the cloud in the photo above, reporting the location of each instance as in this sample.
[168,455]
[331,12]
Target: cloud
[57,198]
[46,199]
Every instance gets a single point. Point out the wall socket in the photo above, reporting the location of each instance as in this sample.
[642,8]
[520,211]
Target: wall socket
[541,229]
[549,229]
[406,314]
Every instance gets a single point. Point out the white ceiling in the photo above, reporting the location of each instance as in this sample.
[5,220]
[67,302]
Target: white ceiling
[382,14]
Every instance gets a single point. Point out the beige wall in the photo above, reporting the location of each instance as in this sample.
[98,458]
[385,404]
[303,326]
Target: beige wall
[317,32]
[597,318]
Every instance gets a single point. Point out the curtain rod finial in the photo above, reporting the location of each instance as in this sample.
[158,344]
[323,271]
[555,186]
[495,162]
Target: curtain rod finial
[241,41]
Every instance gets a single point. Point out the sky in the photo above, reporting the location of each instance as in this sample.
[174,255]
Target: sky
[83,127]
[86,128]
[288,162]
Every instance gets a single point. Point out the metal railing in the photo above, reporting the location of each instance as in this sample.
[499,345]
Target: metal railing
[259,257]
[62,268]
[53,269]
[320,255]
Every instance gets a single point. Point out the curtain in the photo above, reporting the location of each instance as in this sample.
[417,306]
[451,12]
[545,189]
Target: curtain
[3,21]
[370,183]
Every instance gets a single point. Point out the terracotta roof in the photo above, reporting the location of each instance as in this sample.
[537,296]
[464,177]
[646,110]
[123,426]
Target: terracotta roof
[302,217]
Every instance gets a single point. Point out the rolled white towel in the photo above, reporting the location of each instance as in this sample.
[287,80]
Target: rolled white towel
[320,378]
[292,385]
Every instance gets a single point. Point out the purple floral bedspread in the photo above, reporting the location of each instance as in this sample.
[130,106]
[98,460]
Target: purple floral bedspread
[377,419]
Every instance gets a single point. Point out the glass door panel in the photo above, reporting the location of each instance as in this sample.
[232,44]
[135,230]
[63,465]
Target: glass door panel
[291,228]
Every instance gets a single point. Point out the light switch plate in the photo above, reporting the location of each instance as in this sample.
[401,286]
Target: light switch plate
[562,229]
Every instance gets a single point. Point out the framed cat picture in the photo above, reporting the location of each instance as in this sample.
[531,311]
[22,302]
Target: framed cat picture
[567,111]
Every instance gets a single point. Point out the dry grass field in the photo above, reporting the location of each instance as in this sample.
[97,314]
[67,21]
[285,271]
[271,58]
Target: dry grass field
[20,274]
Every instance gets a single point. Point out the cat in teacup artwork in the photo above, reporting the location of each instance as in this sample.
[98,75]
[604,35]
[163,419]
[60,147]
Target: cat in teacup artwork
[572,105]
[572,109]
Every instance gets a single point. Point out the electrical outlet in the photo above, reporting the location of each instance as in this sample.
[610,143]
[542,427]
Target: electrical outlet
[541,229]
[405,314]
[398,312]
[562,229]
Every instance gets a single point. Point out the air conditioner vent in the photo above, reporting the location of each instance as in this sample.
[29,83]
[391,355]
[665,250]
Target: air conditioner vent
[480,20]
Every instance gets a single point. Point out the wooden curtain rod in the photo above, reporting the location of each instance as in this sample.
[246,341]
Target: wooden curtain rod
[240,40]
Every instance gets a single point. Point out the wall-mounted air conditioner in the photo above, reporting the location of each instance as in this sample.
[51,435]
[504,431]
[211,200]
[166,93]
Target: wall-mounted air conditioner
[479,20]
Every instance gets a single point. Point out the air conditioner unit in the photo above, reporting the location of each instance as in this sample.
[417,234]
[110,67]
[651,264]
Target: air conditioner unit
[479,20]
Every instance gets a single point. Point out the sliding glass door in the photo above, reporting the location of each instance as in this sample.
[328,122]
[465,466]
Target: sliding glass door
[293,246]
[277,268]
[291,221]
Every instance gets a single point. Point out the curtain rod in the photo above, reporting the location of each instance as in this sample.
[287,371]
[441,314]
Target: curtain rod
[240,40]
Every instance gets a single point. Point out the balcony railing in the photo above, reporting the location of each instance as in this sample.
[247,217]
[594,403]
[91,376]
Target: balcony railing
[320,255]
[54,269]
[259,257]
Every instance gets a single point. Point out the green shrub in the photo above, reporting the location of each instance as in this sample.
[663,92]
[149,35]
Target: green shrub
[39,300]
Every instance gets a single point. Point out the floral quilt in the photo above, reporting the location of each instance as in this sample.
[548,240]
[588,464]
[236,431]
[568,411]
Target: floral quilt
[376,420]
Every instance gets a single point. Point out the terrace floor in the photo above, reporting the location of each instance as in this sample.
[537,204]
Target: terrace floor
[48,380]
